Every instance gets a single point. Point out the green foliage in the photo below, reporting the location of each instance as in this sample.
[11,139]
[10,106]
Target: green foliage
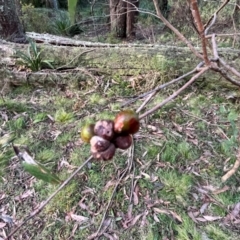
[40,117]
[33,58]
[62,116]
[187,230]
[177,185]
[13,106]
[214,232]
[62,25]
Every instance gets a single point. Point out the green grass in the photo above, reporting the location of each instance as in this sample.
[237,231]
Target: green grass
[196,136]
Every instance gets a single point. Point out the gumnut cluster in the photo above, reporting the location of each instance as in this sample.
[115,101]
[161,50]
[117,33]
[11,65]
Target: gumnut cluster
[106,135]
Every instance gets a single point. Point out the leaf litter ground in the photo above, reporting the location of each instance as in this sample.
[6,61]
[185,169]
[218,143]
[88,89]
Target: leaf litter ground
[172,190]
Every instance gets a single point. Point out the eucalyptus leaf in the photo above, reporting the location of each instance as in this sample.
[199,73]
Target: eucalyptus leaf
[41,172]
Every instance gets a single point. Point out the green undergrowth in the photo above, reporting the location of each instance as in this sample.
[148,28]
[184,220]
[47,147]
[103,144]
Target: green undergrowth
[180,155]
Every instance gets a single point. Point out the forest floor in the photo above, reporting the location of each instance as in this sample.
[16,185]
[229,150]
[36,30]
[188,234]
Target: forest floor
[168,185]
[173,189]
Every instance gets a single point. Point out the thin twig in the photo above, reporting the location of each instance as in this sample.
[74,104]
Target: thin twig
[40,208]
[214,47]
[211,24]
[158,88]
[229,68]
[133,173]
[122,175]
[175,94]
[219,9]
[146,102]
[223,35]
[170,26]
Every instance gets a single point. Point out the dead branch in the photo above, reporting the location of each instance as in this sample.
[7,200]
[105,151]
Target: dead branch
[214,47]
[223,35]
[158,88]
[229,68]
[170,26]
[175,94]
[233,170]
[215,14]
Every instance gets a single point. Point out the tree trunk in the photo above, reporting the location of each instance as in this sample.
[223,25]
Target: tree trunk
[132,13]
[118,15]
[11,28]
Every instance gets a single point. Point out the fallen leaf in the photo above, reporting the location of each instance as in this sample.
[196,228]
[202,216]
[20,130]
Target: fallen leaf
[6,139]
[203,208]
[6,218]
[224,189]
[109,184]
[212,218]
[145,175]
[233,214]
[178,127]
[135,198]
[78,218]
[24,195]
[135,219]
[201,219]
[194,141]
[193,215]
[2,225]
[169,213]
[156,218]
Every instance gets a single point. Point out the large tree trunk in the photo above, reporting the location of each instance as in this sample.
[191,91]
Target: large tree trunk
[11,28]
[123,17]
[118,15]
[132,13]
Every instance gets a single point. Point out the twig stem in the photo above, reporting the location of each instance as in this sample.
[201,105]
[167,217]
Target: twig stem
[40,208]
[175,94]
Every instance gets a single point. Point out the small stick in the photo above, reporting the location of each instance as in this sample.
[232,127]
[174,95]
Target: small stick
[214,46]
[145,102]
[97,233]
[232,170]
[40,208]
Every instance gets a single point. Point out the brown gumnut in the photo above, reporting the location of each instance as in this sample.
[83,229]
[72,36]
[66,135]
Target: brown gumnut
[98,144]
[123,141]
[104,129]
[105,155]
[126,122]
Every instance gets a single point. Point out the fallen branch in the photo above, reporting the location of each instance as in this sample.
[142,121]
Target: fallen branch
[232,170]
